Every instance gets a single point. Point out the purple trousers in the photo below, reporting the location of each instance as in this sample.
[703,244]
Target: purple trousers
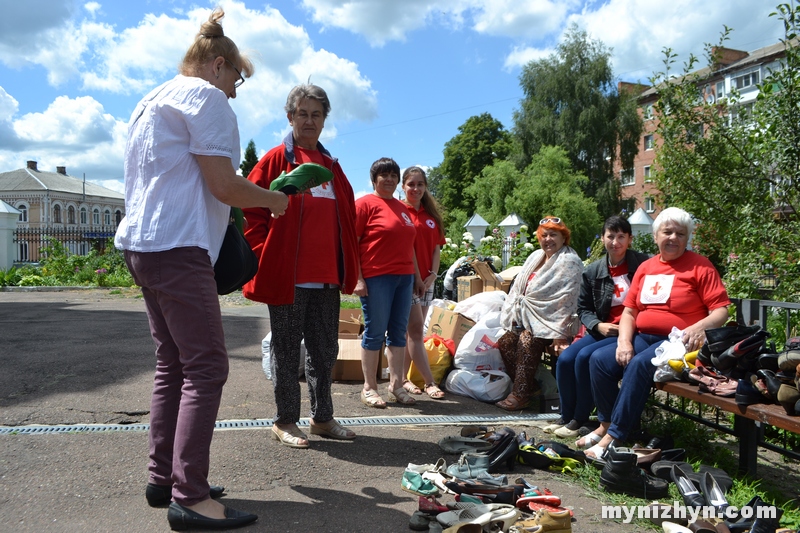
[191,365]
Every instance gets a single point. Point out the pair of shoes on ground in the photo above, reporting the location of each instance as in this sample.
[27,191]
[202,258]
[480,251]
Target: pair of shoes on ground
[430,389]
[622,474]
[371,398]
[161,495]
[291,436]
[563,429]
[181,518]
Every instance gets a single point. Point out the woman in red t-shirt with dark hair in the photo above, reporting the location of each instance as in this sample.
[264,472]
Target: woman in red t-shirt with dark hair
[430,236]
[386,280]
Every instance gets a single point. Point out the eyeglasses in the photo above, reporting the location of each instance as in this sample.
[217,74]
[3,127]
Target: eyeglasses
[554,220]
[238,83]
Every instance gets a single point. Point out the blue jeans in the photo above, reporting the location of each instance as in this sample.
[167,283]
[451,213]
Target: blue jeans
[386,308]
[572,375]
[623,405]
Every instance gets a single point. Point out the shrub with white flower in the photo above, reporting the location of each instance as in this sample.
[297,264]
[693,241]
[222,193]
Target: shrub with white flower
[498,262]
[468,237]
[528,246]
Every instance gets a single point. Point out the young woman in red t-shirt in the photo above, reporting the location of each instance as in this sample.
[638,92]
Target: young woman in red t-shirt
[430,237]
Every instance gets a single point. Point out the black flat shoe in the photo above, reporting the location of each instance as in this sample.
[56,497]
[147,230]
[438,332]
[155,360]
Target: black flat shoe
[161,495]
[691,496]
[180,518]
[714,495]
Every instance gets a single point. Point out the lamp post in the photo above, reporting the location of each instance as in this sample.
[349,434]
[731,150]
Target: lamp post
[476,226]
[509,225]
[641,222]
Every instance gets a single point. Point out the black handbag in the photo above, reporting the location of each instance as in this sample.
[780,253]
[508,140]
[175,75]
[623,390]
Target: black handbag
[236,264]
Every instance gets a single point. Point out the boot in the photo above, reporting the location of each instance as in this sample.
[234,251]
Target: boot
[621,474]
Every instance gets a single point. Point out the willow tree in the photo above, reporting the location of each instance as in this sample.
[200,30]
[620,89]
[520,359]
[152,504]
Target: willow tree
[572,101]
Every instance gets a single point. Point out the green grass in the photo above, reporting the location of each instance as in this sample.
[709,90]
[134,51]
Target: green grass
[704,446]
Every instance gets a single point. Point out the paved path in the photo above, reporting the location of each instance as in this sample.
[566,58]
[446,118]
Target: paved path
[86,357]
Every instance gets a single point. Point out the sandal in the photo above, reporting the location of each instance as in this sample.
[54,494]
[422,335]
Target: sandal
[290,438]
[434,392]
[332,430]
[513,403]
[589,440]
[401,396]
[597,452]
[410,387]
[371,398]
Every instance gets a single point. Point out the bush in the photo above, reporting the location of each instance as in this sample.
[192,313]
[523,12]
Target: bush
[60,268]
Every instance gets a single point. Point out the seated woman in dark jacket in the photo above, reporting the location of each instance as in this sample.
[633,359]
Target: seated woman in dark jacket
[604,285]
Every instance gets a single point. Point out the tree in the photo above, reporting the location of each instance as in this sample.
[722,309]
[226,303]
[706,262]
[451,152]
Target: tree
[735,168]
[250,158]
[481,140]
[571,101]
[548,186]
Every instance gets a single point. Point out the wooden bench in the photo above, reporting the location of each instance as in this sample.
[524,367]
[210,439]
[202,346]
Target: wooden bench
[748,421]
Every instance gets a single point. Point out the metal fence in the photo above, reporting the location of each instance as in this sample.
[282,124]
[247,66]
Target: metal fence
[78,241]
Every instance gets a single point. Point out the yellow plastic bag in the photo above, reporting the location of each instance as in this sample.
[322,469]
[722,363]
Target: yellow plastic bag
[688,361]
[439,358]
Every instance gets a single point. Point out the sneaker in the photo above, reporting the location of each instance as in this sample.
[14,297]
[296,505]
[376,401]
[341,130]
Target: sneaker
[414,483]
[302,178]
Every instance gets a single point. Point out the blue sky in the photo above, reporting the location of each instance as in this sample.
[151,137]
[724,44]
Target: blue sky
[402,75]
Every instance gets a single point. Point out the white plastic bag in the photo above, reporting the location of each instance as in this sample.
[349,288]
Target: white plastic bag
[672,348]
[267,354]
[488,386]
[477,306]
[478,350]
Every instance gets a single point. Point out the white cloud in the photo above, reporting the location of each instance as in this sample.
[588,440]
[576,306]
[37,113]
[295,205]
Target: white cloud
[638,30]
[378,21]
[519,57]
[114,185]
[78,133]
[511,18]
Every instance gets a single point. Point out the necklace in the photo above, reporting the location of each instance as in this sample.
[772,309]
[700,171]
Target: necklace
[612,265]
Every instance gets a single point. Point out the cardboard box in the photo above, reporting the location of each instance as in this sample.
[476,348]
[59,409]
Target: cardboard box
[348,362]
[449,325]
[487,275]
[468,286]
[510,273]
[350,321]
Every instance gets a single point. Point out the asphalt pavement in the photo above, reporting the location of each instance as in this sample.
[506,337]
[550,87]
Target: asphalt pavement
[79,363]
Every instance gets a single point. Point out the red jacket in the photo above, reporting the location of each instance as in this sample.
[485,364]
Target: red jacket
[276,241]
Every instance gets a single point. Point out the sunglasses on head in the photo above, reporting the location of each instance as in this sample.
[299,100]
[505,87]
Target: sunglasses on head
[554,220]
